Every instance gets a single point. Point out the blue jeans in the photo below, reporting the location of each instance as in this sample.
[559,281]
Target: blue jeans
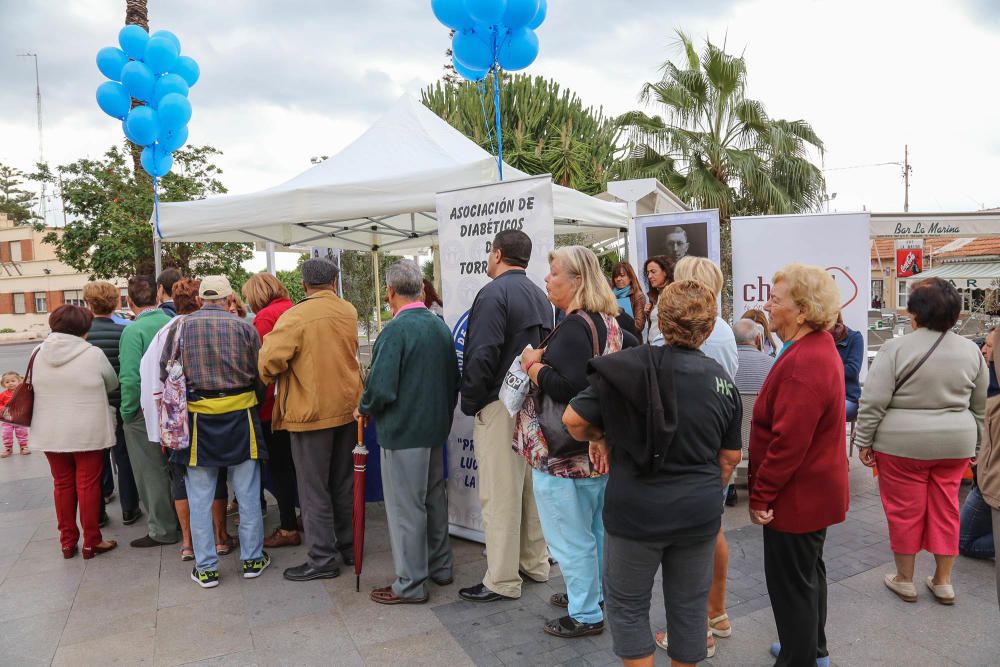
[852,410]
[570,511]
[975,535]
[245,480]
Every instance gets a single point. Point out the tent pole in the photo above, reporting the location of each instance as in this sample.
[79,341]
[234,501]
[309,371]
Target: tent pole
[269,253]
[436,258]
[378,294]
[157,254]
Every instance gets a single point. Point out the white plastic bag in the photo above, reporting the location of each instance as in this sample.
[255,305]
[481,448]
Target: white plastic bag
[515,386]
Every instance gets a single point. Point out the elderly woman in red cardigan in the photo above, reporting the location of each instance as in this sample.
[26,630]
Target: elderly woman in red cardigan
[798,459]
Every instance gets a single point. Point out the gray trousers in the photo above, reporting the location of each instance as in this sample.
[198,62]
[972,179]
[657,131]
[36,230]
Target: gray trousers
[629,569]
[416,506]
[996,545]
[324,467]
[152,480]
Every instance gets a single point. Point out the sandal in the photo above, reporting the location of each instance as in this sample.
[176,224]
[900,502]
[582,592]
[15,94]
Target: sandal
[225,548]
[6,453]
[25,451]
[386,596]
[569,628]
[720,632]
[187,553]
[661,641]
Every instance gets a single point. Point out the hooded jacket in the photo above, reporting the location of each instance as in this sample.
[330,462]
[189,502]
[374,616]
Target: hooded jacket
[71,413]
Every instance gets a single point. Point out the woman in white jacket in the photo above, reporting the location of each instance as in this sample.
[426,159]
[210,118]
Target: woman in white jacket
[72,422]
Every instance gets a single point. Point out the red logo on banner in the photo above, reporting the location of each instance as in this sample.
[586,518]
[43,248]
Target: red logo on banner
[850,290]
[909,262]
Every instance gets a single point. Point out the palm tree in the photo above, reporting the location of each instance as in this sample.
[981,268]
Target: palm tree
[136,13]
[545,129]
[717,148]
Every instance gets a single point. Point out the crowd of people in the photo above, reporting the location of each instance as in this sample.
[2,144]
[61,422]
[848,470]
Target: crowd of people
[616,464]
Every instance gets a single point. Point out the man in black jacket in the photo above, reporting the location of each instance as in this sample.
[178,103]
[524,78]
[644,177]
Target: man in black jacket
[102,298]
[508,314]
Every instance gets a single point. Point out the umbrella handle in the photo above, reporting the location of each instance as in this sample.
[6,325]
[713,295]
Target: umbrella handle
[361,429]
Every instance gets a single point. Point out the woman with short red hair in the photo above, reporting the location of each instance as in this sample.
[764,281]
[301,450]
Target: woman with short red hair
[73,423]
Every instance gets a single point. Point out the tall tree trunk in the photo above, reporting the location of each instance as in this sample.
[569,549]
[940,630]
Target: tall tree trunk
[136,14]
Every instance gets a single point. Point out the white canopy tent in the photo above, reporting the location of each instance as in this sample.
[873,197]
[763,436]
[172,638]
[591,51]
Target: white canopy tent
[376,194]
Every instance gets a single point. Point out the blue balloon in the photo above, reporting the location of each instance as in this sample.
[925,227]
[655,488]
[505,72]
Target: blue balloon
[171,140]
[470,49]
[110,61]
[167,35]
[113,99]
[519,13]
[161,54]
[486,11]
[142,125]
[132,39]
[452,13]
[466,73]
[128,135]
[166,84]
[174,111]
[156,161]
[518,49]
[188,69]
[138,80]
[543,10]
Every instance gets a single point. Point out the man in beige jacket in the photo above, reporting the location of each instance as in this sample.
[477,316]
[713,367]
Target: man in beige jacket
[988,465]
[312,356]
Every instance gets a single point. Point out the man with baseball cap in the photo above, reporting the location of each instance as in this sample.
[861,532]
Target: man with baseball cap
[218,352]
[312,354]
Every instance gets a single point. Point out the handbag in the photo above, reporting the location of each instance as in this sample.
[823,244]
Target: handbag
[22,403]
[173,418]
[550,412]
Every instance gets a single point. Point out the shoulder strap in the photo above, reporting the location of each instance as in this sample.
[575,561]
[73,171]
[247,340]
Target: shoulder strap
[593,331]
[31,363]
[903,380]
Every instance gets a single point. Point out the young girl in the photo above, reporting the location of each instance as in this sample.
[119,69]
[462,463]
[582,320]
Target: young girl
[10,380]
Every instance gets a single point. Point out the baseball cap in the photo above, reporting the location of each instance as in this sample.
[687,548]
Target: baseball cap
[215,287]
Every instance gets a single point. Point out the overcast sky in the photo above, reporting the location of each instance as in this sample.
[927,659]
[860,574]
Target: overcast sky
[282,82]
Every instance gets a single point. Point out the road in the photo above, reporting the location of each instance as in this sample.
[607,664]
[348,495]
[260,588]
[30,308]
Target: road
[15,357]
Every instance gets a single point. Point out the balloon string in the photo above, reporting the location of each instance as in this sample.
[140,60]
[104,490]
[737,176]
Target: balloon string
[496,105]
[156,207]
[481,86]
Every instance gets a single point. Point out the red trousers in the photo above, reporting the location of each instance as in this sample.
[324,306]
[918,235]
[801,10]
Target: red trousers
[921,502]
[77,480]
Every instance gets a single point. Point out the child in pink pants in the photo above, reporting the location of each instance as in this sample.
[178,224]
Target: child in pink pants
[10,380]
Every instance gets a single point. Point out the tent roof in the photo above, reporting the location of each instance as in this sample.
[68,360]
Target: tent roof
[377,192]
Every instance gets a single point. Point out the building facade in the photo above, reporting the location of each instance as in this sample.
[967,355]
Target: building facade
[33,282]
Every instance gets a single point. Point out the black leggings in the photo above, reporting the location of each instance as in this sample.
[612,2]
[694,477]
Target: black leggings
[282,469]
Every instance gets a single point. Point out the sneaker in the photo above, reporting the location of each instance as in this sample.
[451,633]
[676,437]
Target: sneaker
[255,567]
[206,579]
[820,662]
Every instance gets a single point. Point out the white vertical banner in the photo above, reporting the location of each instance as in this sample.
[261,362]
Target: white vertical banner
[468,220]
[839,242]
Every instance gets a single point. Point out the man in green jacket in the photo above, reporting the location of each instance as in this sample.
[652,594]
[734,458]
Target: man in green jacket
[411,392]
[152,473]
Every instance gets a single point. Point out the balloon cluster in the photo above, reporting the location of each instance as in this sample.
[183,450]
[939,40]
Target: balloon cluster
[491,33]
[151,69]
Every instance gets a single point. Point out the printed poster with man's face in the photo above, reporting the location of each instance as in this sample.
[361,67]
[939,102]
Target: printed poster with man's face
[678,235]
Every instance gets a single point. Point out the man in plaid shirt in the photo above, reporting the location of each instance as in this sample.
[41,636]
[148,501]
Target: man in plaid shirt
[218,352]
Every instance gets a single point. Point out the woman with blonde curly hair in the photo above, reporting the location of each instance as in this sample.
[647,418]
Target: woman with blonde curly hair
[568,483]
[798,459]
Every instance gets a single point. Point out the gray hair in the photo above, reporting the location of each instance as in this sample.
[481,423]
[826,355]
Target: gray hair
[405,279]
[319,272]
[747,332]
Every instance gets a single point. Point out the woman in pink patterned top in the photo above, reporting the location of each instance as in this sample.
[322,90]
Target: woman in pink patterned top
[569,492]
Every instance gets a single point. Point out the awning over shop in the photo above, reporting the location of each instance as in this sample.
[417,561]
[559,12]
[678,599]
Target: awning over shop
[965,275]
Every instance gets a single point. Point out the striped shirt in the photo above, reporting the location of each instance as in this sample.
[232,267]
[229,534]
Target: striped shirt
[753,369]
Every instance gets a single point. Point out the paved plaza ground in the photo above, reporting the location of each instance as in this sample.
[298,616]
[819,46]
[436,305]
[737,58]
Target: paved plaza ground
[139,607]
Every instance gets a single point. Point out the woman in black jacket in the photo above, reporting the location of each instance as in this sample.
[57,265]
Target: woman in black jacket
[667,448]
[569,492]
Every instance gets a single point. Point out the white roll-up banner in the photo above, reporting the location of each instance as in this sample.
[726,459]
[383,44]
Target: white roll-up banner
[468,220]
[838,242]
